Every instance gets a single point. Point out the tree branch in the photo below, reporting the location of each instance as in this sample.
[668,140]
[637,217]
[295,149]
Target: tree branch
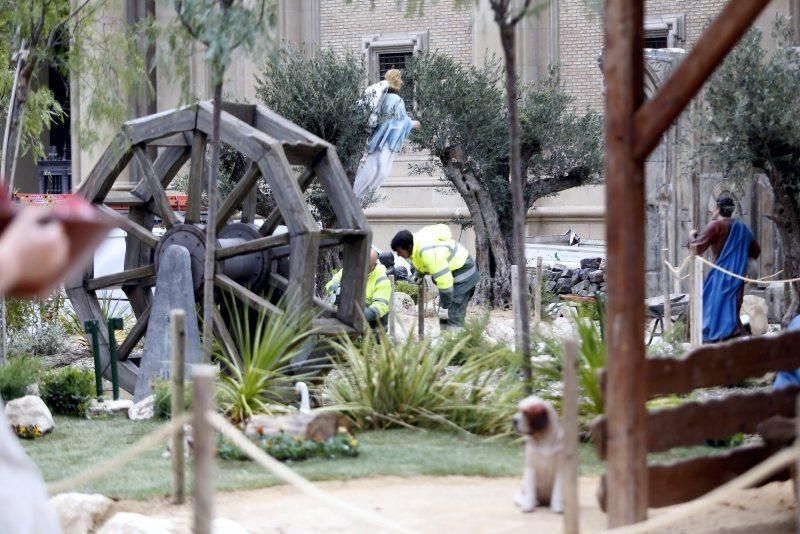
[522,13]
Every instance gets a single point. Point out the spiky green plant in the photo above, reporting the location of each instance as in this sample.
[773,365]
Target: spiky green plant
[257,379]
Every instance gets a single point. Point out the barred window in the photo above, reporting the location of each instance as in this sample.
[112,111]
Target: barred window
[392,60]
[656,39]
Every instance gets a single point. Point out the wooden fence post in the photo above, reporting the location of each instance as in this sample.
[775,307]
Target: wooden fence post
[569,473]
[692,299]
[391,309]
[203,450]
[537,296]
[421,311]
[515,307]
[697,301]
[178,323]
[666,274]
[797,461]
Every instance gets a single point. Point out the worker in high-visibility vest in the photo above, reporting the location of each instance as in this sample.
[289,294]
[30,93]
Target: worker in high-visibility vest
[432,251]
[377,295]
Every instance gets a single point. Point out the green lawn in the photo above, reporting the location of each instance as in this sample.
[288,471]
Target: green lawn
[77,444]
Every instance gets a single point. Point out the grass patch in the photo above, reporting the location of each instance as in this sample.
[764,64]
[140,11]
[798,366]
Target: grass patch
[76,444]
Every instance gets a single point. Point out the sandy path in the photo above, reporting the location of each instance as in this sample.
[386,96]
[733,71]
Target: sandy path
[460,504]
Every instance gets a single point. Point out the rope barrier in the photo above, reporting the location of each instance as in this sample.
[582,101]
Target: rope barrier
[766,279]
[748,479]
[288,475]
[137,449]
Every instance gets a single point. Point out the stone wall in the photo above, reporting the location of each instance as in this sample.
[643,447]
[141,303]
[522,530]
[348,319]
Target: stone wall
[343,25]
[585,281]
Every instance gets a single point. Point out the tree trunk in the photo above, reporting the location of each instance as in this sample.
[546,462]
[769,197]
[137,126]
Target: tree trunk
[786,215]
[507,38]
[13,134]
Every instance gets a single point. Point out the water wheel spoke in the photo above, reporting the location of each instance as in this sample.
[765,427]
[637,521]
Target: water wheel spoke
[132,228]
[237,196]
[255,245]
[225,338]
[160,200]
[275,217]
[136,334]
[166,166]
[197,177]
[328,310]
[245,295]
[120,278]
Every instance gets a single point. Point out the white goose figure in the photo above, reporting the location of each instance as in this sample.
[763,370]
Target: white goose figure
[305,403]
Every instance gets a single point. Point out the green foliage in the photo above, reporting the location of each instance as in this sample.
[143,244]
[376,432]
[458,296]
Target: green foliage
[162,405]
[109,307]
[68,391]
[415,384]
[412,290]
[257,380]
[35,326]
[17,374]
[292,448]
[472,341]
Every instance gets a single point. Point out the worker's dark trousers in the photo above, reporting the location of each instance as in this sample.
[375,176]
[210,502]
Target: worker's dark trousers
[462,293]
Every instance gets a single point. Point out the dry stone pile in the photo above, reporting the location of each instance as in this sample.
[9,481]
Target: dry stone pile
[584,281]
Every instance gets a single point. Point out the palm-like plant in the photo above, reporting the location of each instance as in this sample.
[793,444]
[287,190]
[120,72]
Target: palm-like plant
[257,379]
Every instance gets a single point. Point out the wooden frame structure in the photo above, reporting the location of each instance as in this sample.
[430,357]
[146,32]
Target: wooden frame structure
[249,256]
[633,128]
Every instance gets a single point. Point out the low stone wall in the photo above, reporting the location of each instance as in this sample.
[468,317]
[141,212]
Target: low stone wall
[584,281]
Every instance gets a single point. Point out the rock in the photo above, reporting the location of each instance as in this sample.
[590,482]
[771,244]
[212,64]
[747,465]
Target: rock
[28,411]
[144,409]
[563,285]
[597,276]
[576,276]
[79,513]
[568,273]
[591,263]
[560,267]
[129,523]
[500,331]
[593,288]
[579,287]
[110,408]
[602,265]
[550,286]
[33,389]
[756,310]
[563,328]
[403,303]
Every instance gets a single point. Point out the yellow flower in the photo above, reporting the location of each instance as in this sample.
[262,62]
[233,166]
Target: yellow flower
[298,439]
[354,442]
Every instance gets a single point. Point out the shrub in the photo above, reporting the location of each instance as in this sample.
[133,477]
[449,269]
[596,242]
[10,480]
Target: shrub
[474,343]
[35,327]
[257,380]
[163,399]
[288,448]
[109,307]
[412,290]
[19,373]
[68,391]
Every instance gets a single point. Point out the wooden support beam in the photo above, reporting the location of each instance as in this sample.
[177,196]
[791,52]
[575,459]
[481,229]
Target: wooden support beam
[254,245]
[224,335]
[235,198]
[120,278]
[656,116]
[275,217]
[136,334]
[625,224]
[156,188]
[131,227]
[327,309]
[245,295]
[197,177]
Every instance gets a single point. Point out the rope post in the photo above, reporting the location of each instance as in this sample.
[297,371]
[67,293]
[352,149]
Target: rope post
[537,295]
[569,476]
[697,301]
[178,334]
[203,435]
[421,310]
[692,299]
[93,329]
[391,309]
[115,323]
[667,325]
[515,305]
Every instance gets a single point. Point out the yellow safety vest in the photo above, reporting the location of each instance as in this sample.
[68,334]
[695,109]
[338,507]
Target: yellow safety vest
[437,254]
[378,290]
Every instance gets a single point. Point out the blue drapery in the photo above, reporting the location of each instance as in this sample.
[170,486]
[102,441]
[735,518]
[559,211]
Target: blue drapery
[395,128]
[720,290]
[785,379]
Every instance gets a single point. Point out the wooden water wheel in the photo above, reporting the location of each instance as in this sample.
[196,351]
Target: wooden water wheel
[248,254]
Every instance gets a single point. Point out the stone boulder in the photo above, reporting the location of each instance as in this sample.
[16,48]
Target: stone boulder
[110,408]
[79,513]
[580,287]
[28,411]
[591,263]
[144,409]
[597,276]
[563,286]
[756,310]
[500,331]
[130,523]
[403,303]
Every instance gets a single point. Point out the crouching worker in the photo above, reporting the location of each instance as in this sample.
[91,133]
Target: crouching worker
[377,295]
[432,251]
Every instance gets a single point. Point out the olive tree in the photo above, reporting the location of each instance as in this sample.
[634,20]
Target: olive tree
[754,113]
[465,125]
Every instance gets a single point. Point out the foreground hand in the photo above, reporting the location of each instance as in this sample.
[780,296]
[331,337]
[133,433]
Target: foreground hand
[32,252]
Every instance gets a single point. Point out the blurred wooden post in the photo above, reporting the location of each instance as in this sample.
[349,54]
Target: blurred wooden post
[569,476]
[797,461]
[178,323]
[203,449]
[666,274]
[421,311]
[537,296]
[515,306]
[391,309]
